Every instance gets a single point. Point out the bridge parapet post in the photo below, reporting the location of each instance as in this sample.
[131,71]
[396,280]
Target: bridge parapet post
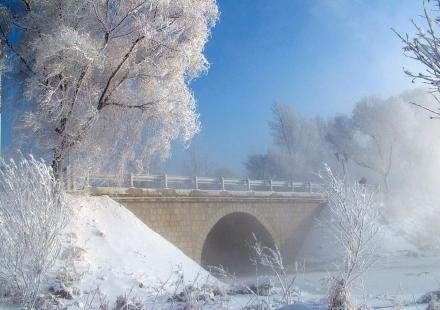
[249,184]
[196,182]
[165,181]
[131,179]
[223,183]
[271,185]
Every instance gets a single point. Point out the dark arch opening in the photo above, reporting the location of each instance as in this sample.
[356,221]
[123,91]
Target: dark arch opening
[228,244]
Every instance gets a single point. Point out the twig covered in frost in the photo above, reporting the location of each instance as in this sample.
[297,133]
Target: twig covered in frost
[272,259]
[33,213]
[424,48]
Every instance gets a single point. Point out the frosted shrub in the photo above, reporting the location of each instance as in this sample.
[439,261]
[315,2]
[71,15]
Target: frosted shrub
[33,213]
[355,216]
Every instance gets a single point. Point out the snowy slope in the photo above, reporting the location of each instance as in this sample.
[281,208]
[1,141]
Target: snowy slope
[118,253]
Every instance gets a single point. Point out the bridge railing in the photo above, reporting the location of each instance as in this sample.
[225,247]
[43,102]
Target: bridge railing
[200,183]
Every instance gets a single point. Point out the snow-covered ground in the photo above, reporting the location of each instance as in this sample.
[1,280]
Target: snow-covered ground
[110,249]
[122,255]
[118,245]
[401,275]
[396,285]
[383,286]
[107,249]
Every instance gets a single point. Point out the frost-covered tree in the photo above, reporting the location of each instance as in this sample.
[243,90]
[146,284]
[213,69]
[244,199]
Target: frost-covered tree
[108,79]
[340,136]
[369,136]
[299,142]
[33,214]
[299,147]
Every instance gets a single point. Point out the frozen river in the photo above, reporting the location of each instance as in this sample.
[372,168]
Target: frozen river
[394,282]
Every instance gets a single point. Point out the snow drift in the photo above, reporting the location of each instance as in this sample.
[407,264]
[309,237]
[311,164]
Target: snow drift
[113,250]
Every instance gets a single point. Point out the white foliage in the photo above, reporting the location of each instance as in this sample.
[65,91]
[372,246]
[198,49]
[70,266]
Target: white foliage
[32,215]
[110,78]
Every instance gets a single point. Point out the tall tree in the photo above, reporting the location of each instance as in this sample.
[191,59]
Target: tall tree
[368,137]
[109,78]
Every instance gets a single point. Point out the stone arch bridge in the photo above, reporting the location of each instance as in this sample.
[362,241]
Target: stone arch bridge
[216,227]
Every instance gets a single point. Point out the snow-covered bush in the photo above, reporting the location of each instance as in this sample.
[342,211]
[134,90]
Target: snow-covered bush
[355,221]
[33,213]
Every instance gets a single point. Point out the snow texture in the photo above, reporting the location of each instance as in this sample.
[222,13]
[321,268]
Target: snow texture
[115,251]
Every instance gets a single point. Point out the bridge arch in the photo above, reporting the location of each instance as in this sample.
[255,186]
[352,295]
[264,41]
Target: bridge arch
[227,237]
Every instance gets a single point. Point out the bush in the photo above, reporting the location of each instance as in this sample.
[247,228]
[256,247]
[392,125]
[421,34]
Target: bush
[355,217]
[33,213]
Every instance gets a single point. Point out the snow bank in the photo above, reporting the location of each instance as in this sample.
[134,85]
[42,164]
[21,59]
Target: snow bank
[115,251]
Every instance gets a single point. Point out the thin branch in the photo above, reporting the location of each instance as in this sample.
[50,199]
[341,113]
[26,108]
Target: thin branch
[425,108]
[27,5]
[143,106]
[102,99]
[128,14]
[11,47]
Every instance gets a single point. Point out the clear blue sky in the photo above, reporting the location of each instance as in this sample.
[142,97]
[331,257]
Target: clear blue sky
[319,56]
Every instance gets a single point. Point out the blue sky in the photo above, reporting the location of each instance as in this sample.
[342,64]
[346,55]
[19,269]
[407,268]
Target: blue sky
[319,56]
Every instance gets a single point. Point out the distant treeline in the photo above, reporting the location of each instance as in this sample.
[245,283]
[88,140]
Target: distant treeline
[381,141]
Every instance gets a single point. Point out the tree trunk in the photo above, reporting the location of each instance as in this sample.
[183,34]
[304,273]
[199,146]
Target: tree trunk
[56,167]
[57,161]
